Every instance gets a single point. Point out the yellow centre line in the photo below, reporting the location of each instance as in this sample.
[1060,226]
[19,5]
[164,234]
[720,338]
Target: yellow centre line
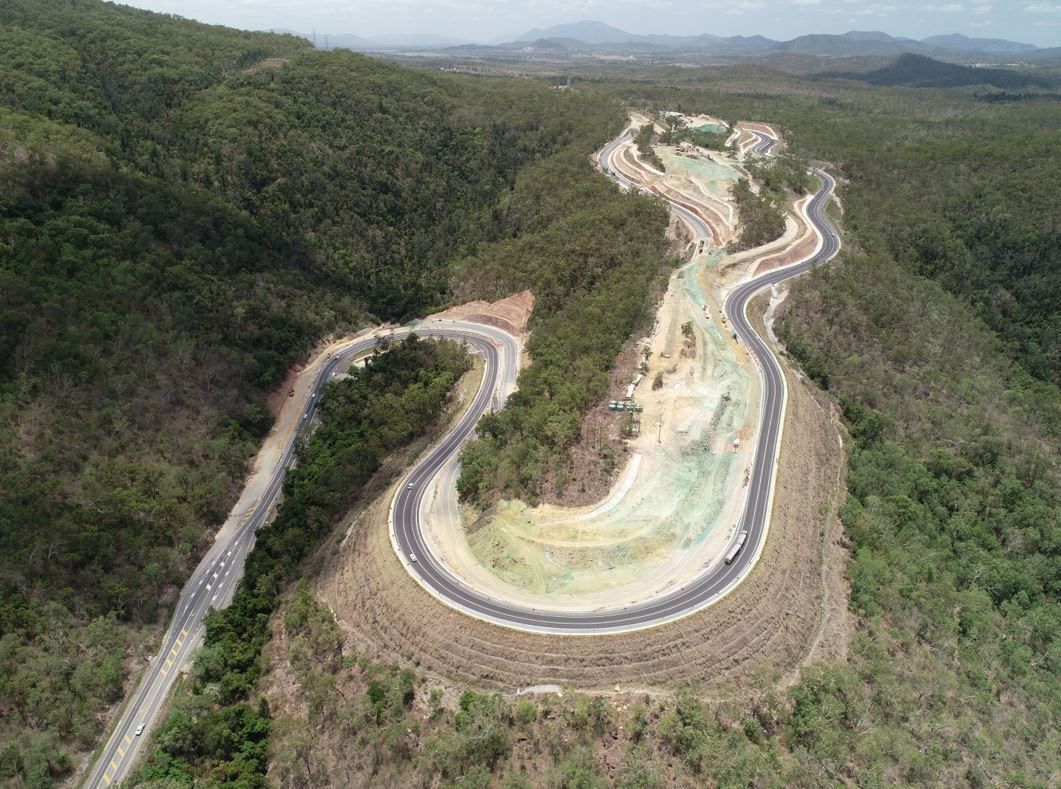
[114,765]
[121,752]
[106,779]
[128,739]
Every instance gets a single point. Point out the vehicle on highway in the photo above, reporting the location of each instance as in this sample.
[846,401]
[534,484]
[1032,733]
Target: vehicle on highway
[139,729]
[737,547]
[412,557]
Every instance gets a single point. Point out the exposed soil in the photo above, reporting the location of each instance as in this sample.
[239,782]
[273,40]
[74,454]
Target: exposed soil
[275,400]
[837,623]
[769,625]
[510,314]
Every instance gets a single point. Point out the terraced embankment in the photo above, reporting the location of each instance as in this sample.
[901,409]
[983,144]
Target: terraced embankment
[790,605]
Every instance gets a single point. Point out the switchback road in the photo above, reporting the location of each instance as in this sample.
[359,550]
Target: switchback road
[407,507]
[214,580]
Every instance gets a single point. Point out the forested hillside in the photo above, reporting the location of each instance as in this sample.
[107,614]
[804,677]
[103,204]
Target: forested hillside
[959,185]
[937,330]
[184,211]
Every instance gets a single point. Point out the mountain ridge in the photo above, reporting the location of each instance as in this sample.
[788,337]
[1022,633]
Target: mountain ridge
[593,34]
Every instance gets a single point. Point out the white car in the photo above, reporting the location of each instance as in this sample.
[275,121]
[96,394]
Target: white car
[139,730]
[409,486]
[412,557]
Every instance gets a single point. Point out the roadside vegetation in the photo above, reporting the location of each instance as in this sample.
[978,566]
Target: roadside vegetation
[216,732]
[762,218]
[643,140]
[590,254]
[172,240]
[174,237]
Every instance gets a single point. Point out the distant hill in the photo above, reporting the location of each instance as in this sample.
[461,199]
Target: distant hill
[959,43]
[588,31]
[855,43]
[592,35]
[924,72]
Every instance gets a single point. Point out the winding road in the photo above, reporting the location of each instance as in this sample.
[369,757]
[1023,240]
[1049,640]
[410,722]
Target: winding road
[214,580]
[406,508]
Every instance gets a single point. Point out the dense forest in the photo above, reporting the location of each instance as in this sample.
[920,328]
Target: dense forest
[761,218]
[185,210]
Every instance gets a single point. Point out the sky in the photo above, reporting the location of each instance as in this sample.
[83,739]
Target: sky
[489,21]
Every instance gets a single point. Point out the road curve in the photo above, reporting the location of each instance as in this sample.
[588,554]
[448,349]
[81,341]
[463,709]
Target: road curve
[214,580]
[406,527]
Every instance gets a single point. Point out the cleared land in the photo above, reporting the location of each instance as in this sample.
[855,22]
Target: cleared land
[764,628]
[678,466]
[792,608]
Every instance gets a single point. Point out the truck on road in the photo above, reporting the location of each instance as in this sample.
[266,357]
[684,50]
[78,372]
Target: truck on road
[736,549]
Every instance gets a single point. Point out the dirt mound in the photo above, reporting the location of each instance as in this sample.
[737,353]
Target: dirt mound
[509,314]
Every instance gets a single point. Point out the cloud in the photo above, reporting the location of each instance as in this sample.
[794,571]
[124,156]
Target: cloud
[1043,8]
[878,9]
[950,8]
[806,2]
[740,6]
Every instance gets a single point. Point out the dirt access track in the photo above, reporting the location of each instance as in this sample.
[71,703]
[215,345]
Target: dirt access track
[791,609]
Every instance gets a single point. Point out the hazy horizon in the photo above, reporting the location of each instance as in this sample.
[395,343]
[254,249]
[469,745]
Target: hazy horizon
[479,21]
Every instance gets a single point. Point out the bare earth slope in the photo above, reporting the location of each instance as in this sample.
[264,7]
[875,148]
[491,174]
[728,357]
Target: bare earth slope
[767,626]
[791,609]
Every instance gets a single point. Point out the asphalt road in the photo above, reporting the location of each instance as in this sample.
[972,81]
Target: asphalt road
[407,505]
[214,580]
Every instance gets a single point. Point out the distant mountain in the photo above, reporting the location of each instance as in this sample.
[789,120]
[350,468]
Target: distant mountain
[923,72]
[592,35]
[1053,53]
[859,43]
[995,46]
[588,31]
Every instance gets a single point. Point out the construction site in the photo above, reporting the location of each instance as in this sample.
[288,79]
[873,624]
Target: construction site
[687,420]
